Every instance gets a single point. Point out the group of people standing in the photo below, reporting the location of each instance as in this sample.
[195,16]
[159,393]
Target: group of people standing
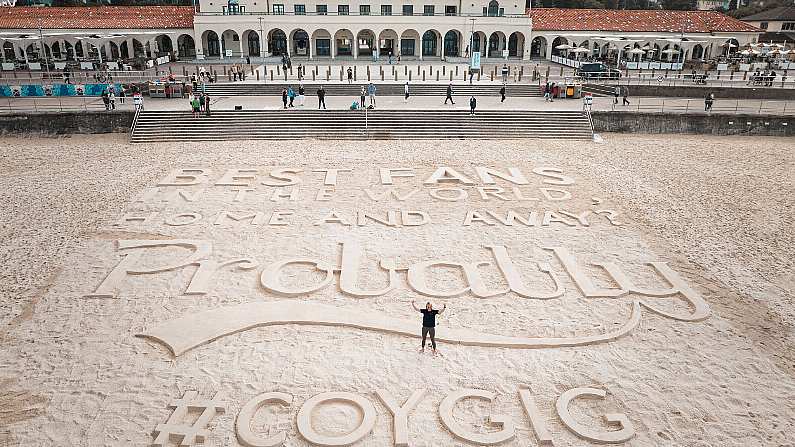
[238,73]
[288,94]
[200,103]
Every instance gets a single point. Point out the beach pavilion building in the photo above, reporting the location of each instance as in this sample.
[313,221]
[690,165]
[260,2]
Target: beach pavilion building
[636,36]
[355,29]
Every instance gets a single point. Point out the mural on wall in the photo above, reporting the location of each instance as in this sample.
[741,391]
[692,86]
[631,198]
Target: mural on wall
[31,90]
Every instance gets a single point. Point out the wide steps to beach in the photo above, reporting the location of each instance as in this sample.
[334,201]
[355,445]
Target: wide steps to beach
[154,126]
[353,90]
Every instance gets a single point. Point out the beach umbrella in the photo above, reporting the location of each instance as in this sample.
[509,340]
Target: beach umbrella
[563,46]
[729,45]
[745,52]
[671,51]
[637,51]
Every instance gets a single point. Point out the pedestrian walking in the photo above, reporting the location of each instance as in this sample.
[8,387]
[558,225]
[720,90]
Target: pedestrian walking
[553,92]
[284,97]
[502,93]
[201,101]
[587,102]
[112,100]
[472,104]
[428,323]
[505,71]
[106,99]
[708,101]
[350,75]
[624,98]
[207,105]
[547,92]
[362,95]
[122,94]
[138,101]
[371,93]
[291,95]
[321,97]
[301,96]
[616,94]
[471,74]
[406,92]
[449,96]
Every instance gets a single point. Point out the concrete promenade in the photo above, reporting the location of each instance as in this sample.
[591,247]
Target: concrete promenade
[642,104]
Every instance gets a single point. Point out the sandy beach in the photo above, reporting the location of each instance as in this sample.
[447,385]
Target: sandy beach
[719,211]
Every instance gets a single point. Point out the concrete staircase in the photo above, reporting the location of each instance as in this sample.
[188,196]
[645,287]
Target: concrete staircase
[154,126]
[353,90]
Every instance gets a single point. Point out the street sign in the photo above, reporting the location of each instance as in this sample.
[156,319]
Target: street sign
[228,53]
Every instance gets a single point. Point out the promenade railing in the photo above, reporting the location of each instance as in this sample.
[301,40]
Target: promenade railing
[58,104]
[724,106]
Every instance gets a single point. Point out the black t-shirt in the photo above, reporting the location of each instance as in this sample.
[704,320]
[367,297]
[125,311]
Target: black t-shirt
[429,317]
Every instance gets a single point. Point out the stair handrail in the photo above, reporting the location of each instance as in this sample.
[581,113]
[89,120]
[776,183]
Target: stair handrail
[590,119]
[134,122]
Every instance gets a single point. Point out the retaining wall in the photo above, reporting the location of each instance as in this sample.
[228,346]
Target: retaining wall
[693,123]
[66,123]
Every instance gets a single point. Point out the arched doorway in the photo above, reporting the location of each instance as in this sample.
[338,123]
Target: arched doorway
[387,43]
[478,39]
[114,50]
[213,47]
[186,47]
[322,40]
[538,47]
[277,42]
[8,51]
[556,43]
[496,44]
[451,44]
[300,40]
[408,42]
[343,40]
[430,43]
[57,52]
[731,46]
[251,39]
[698,52]
[365,41]
[516,44]
[164,45]
[230,44]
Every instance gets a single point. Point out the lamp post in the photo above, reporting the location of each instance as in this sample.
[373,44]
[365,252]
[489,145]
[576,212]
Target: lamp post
[44,50]
[261,37]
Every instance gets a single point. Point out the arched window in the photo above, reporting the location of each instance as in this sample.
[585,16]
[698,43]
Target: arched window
[494,9]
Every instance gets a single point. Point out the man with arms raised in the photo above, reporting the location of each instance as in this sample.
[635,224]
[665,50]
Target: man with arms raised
[428,323]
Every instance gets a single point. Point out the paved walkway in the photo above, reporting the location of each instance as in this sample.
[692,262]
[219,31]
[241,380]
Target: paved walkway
[643,104]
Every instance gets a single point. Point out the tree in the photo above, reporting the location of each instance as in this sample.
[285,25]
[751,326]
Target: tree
[683,5]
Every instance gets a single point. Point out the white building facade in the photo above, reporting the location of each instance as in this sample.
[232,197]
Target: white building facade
[334,29]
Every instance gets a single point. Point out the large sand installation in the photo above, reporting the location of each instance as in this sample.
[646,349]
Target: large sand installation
[637,292]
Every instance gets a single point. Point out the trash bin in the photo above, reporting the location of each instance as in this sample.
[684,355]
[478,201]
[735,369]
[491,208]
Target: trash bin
[570,91]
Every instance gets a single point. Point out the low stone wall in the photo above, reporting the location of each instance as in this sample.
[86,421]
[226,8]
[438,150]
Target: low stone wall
[693,123]
[66,123]
[619,121]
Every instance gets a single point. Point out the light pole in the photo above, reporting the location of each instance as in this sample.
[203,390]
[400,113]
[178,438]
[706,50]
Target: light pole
[44,50]
[261,37]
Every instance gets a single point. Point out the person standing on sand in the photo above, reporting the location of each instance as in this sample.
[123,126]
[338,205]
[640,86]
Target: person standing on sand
[428,323]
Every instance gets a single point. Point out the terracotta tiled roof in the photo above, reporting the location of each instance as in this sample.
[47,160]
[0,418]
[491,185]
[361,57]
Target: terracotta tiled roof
[99,17]
[555,19]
